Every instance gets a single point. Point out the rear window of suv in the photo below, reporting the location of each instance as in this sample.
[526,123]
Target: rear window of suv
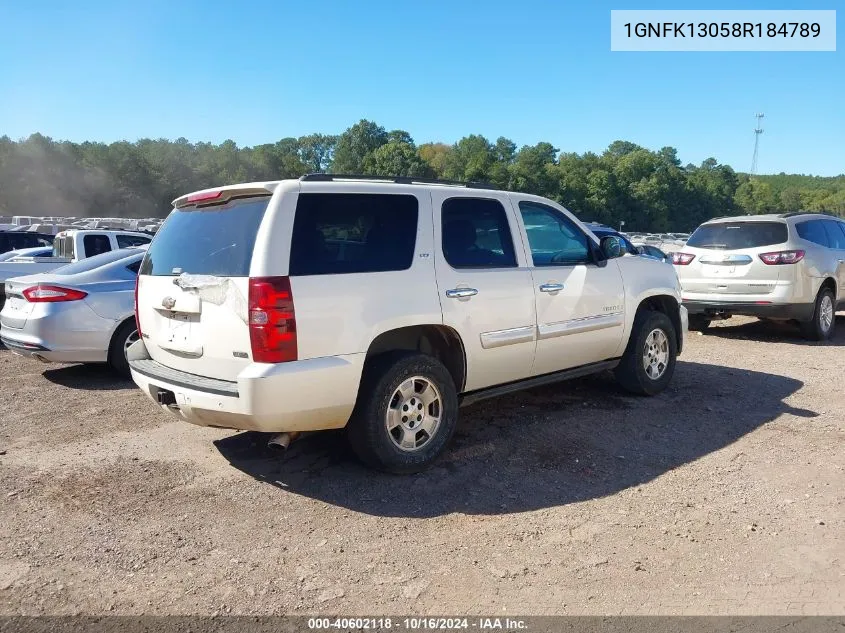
[214,240]
[337,233]
[737,235]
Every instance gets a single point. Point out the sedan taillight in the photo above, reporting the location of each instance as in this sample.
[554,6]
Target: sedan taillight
[682,259]
[782,257]
[52,294]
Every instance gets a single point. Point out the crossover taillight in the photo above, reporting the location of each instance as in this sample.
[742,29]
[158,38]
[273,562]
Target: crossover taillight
[43,293]
[137,318]
[782,257]
[682,259]
[272,320]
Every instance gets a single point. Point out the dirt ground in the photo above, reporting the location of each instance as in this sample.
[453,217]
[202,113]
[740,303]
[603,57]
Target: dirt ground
[723,495]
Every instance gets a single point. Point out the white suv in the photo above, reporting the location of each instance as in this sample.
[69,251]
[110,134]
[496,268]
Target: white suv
[788,267]
[382,305]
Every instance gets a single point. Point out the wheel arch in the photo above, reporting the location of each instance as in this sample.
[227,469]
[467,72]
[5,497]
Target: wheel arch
[668,305]
[437,340]
[829,282]
[119,324]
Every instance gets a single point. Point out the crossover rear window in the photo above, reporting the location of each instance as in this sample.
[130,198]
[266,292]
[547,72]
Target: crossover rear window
[336,233]
[736,235]
[214,240]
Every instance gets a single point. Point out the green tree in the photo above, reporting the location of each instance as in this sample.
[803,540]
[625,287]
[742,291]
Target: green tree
[355,144]
[471,160]
[316,151]
[396,158]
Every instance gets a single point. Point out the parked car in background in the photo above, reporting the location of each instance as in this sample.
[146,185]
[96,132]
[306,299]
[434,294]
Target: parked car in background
[787,266]
[649,250]
[68,247]
[79,313]
[14,240]
[602,231]
[382,304]
[38,251]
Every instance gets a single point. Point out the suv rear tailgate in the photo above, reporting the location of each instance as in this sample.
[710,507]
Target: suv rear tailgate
[193,288]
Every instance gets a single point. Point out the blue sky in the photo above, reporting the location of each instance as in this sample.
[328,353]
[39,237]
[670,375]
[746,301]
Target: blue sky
[257,71]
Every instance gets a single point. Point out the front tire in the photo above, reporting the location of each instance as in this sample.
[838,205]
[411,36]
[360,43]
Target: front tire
[406,413]
[649,360]
[126,334]
[823,324]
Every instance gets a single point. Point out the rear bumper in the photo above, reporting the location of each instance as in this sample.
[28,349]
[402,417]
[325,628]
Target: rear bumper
[306,395]
[33,347]
[796,311]
[58,333]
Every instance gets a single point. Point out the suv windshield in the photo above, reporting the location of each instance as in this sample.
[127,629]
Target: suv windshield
[736,235]
[215,240]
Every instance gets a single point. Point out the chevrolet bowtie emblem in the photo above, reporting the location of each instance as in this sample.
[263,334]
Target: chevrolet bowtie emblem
[168,302]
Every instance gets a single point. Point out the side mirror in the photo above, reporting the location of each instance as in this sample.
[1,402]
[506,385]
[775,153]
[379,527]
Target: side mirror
[612,247]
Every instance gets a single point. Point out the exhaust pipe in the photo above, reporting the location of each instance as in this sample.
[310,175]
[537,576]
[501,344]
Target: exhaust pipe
[281,441]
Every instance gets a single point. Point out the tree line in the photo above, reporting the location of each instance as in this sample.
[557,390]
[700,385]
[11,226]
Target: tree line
[648,190]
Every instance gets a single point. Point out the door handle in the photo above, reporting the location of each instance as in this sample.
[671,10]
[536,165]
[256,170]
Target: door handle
[551,287]
[461,293]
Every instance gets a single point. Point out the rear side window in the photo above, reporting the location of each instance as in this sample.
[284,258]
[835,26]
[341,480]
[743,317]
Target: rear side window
[812,231]
[476,234]
[835,234]
[213,240]
[125,241]
[337,233]
[737,235]
[96,244]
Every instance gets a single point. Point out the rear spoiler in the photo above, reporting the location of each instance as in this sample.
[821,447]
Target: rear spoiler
[221,195]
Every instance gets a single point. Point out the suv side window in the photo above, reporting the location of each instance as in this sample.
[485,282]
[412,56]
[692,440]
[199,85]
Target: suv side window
[125,241]
[812,231]
[337,233]
[835,236]
[553,238]
[96,244]
[476,234]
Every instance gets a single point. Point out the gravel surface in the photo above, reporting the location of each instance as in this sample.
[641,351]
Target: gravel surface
[722,495]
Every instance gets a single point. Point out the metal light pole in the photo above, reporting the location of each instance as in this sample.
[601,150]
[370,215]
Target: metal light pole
[621,224]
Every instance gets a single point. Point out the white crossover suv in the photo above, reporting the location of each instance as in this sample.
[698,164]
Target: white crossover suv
[785,267]
[382,305]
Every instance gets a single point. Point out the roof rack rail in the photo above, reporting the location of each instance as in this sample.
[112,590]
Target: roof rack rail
[792,214]
[399,180]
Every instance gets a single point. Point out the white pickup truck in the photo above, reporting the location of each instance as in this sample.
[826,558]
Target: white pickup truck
[68,247]
[382,304]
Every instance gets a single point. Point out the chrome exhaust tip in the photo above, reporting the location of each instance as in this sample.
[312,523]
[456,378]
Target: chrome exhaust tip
[281,441]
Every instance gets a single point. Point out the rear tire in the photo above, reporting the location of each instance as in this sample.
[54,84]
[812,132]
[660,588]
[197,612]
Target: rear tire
[125,335]
[649,360]
[698,323]
[406,413]
[823,324]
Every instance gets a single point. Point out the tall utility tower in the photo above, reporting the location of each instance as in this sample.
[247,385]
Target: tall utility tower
[757,132]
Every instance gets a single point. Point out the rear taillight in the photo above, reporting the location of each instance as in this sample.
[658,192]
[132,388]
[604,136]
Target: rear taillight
[682,259]
[137,318]
[43,293]
[782,257]
[272,321]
